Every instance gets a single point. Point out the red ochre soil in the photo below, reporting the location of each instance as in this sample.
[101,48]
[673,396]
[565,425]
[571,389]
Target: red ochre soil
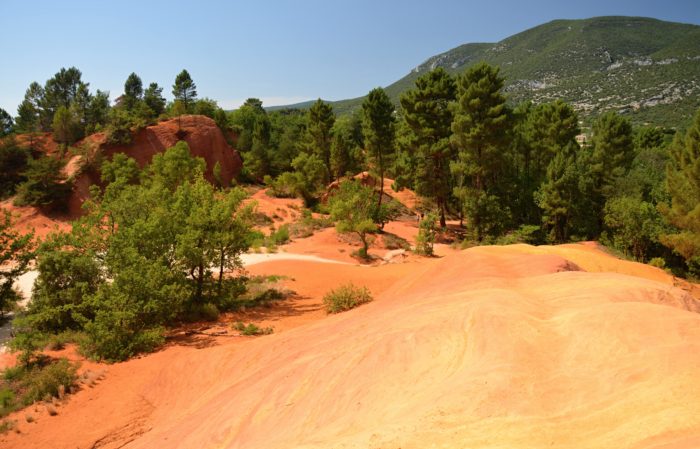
[201,133]
[490,347]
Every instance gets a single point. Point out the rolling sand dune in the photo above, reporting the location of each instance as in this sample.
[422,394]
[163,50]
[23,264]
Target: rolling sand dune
[490,347]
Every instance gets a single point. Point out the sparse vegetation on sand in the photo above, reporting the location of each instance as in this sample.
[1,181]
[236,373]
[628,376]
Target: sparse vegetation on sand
[346,297]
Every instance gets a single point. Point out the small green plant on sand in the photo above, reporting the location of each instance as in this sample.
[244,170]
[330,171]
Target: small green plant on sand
[346,297]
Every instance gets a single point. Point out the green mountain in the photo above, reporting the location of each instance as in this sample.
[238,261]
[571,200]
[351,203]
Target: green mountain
[646,68]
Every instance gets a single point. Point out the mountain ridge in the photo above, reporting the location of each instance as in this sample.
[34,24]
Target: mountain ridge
[646,68]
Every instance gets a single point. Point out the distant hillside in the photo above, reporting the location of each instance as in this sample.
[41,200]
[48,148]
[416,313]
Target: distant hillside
[646,68]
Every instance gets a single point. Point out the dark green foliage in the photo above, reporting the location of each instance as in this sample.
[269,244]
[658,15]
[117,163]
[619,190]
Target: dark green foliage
[427,231]
[559,194]
[6,123]
[346,297]
[97,113]
[66,128]
[613,152]
[25,384]
[133,91]
[306,181]
[153,97]
[427,111]
[15,255]
[64,105]
[480,127]
[29,111]
[318,130]
[13,162]
[635,225]
[45,185]
[683,183]
[353,208]
[379,132]
[252,329]
[206,107]
[61,90]
[67,276]
[185,89]
[157,241]
[346,148]
[541,132]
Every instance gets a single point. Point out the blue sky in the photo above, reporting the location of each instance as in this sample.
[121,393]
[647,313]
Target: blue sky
[280,51]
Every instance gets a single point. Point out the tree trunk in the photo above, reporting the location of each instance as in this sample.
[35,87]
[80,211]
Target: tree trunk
[200,281]
[221,270]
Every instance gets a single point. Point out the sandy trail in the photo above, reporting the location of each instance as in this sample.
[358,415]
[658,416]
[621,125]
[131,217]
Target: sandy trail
[486,348]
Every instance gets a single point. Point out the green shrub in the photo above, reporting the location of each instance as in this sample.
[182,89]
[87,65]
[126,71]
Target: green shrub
[346,297]
[308,224]
[530,234]
[427,230]
[46,382]
[7,401]
[111,342]
[25,384]
[286,185]
[392,241]
[281,235]
[658,262]
[252,329]
[203,312]
[45,184]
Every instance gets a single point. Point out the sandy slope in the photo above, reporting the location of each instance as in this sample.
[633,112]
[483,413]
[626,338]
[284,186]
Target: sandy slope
[491,347]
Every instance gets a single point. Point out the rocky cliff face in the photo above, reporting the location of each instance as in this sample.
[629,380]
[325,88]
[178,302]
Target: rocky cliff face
[204,138]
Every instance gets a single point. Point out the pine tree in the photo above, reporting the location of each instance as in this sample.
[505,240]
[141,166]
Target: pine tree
[378,129]
[65,126]
[479,128]
[683,182]
[542,132]
[153,97]
[426,110]
[133,91]
[320,122]
[613,152]
[15,256]
[6,123]
[185,89]
[558,194]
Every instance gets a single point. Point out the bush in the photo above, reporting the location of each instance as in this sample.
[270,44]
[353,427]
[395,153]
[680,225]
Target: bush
[392,241]
[307,225]
[7,401]
[658,262]
[202,312]
[47,381]
[346,297]
[119,128]
[280,236]
[427,230]
[252,329]
[13,163]
[45,184]
[285,185]
[530,234]
[26,384]
[113,343]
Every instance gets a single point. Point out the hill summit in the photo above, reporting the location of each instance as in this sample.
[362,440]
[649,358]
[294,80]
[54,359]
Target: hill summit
[646,68]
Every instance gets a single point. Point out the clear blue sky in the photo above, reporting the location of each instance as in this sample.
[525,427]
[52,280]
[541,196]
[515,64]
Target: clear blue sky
[280,51]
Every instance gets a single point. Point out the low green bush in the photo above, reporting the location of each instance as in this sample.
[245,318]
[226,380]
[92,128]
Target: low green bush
[25,384]
[346,297]
[252,329]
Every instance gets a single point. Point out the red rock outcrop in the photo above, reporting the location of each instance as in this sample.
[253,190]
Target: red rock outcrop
[201,133]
